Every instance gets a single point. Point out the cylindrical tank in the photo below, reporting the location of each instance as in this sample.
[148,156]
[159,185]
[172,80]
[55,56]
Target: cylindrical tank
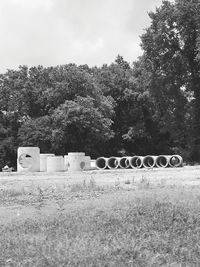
[76,161]
[43,161]
[93,164]
[55,164]
[87,163]
[28,159]
[65,163]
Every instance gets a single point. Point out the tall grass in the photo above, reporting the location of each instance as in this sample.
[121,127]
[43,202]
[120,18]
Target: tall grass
[35,193]
[143,230]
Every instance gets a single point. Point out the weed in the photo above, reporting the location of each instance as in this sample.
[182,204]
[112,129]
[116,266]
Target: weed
[12,193]
[91,185]
[127,181]
[61,207]
[144,183]
[162,183]
[142,231]
[117,183]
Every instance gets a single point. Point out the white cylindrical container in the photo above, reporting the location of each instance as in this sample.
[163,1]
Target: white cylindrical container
[76,161]
[28,159]
[55,164]
[93,164]
[43,161]
[65,163]
[87,163]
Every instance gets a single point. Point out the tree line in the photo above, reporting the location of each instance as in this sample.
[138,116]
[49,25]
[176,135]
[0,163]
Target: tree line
[151,106]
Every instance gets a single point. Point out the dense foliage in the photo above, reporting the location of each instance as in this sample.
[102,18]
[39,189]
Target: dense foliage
[150,106]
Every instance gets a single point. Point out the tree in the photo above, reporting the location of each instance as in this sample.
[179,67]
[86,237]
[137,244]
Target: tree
[73,114]
[18,94]
[8,139]
[80,125]
[171,52]
[134,121]
[37,132]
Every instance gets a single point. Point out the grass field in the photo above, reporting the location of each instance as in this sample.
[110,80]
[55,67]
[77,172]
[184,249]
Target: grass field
[122,219]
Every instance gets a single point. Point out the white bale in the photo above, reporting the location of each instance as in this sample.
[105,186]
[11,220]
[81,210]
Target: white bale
[43,161]
[55,164]
[28,159]
[76,161]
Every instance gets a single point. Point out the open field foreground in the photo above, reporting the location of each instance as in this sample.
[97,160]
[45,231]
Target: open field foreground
[101,218]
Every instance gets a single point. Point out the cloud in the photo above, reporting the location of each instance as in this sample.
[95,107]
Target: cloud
[52,32]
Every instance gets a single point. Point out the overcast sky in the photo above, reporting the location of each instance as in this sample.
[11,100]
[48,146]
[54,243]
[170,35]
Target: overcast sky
[54,32]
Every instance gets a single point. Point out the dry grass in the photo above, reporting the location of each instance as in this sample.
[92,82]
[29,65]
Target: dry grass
[35,193]
[102,226]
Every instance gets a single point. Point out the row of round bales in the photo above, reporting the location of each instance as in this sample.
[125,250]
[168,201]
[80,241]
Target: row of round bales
[137,162]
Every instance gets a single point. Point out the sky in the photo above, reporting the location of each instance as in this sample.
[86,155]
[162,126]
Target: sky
[56,32]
